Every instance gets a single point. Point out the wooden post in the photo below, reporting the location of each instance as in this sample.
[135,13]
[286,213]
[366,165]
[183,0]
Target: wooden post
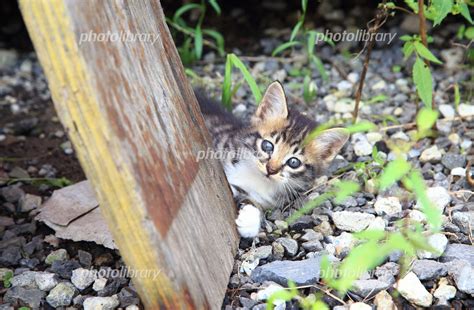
[136,127]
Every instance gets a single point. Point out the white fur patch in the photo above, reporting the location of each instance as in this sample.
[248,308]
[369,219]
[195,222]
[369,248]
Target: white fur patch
[248,222]
[247,176]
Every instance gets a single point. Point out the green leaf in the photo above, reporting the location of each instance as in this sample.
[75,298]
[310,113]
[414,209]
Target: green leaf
[425,53]
[360,259]
[215,6]
[457,96]
[280,48]
[408,49]
[412,4]
[423,81]
[311,42]
[394,172]
[345,189]
[320,67]
[416,184]
[372,235]
[426,118]
[198,42]
[227,84]
[304,5]
[185,8]
[469,33]
[464,9]
[362,126]
[309,89]
[441,8]
[257,94]
[327,271]
[378,98]
[281,295]
[406,38]
[218,38]
[296,29]
[7,279]
[319,305]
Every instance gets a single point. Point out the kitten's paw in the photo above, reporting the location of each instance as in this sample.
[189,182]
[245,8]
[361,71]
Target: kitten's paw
[248,222]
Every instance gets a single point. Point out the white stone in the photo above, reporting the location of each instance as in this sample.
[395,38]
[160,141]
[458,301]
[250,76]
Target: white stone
[439,197]
[239,109]
[398,111]
[352,221]
[344,86]
[384,301]
[360,306]
[466,110]
[432,155]
[377,224]
[458,171]
[417,216]
[412,290]
[454,138]
[444,126]
[380,85]
[269,291]
[400,135]
[344,105]
[374,137]
[342,243]
[438,242]
[447,110]
[388,205]
[353,77]
[362,147]
[46,281]
[99,284]
[82,278]
[444,290]
[466,144]
[101,303]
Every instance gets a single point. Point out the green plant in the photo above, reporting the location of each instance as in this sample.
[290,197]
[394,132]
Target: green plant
[436,11]
[421,71]
[195,37]
[377,245]
[232,62]
[7,277]
[308,40]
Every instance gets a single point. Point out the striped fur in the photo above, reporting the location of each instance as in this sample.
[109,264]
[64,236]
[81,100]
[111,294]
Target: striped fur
[248,173]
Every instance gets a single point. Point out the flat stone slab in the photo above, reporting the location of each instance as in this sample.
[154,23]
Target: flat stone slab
[302,272]
[459,251]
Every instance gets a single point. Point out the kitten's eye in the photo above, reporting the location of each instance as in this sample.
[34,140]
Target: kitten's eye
[293,162]
[267,146]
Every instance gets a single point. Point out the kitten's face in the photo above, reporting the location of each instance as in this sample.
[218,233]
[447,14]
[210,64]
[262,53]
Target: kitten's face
[284,156]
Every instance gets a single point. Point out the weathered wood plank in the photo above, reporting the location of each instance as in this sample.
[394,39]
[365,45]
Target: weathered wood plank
[136,127]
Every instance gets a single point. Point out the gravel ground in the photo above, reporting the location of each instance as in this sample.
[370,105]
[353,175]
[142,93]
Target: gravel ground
[51,273]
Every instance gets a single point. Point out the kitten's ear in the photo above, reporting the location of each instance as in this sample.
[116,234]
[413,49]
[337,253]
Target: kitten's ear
[327,144]
[273,104]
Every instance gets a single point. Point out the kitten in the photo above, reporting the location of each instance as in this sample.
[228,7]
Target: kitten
[269,163]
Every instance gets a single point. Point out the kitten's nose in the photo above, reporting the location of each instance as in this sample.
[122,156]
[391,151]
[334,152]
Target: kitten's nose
[271,170]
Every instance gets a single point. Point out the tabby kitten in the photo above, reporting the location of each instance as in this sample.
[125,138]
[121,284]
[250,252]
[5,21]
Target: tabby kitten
[267,163]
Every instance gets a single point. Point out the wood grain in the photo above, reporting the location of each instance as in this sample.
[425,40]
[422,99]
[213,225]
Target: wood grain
[136,127]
